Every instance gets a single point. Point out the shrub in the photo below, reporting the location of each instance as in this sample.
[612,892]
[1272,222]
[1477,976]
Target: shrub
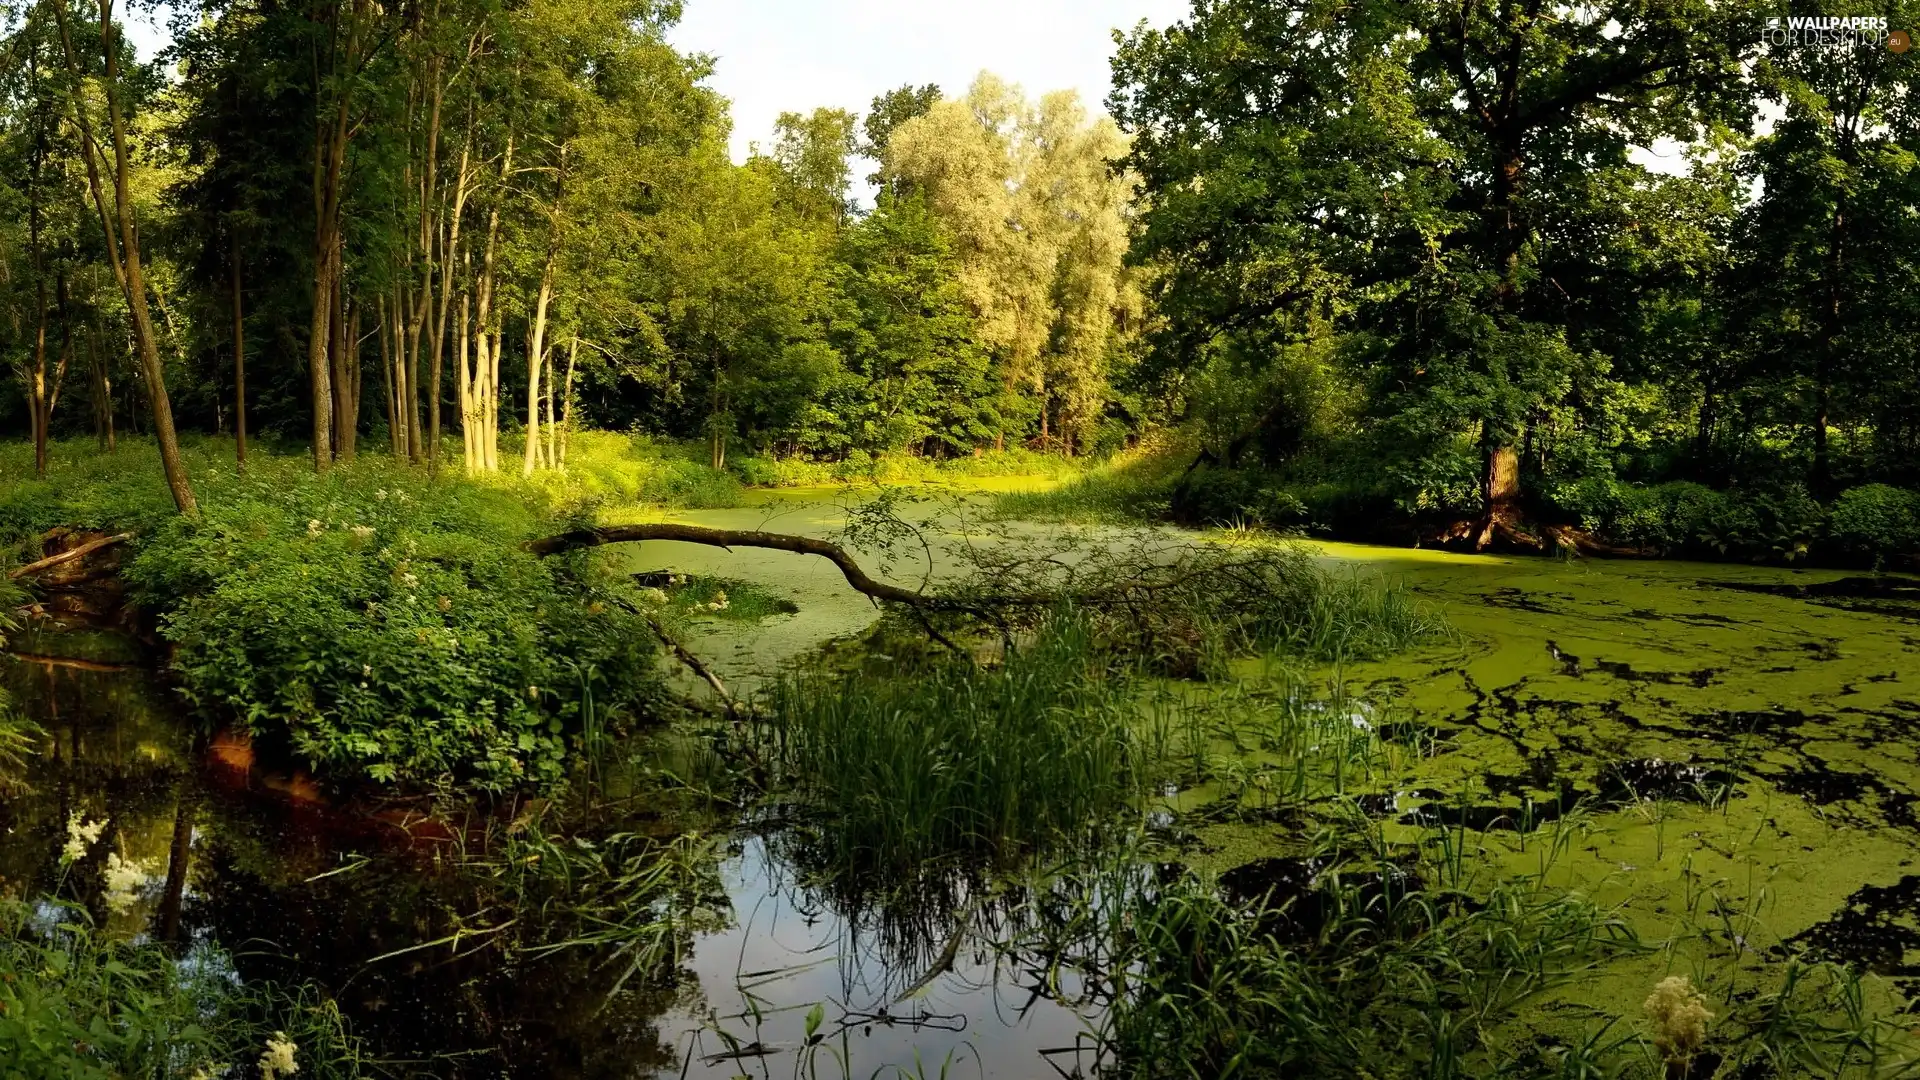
[393,633]
[375,623]
[1877,519]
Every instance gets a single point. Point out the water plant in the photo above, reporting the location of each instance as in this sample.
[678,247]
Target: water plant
[961,761]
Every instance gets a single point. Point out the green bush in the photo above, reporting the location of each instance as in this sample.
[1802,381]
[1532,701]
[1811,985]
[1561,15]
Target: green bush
[397,633]
[372,622]
[1877,519]
[1683,517]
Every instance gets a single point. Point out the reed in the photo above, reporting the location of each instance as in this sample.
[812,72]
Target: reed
[962,762]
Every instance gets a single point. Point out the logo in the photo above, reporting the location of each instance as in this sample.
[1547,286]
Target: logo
[1836,32]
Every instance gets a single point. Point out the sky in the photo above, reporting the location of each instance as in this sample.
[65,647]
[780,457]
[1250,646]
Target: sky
[774,56]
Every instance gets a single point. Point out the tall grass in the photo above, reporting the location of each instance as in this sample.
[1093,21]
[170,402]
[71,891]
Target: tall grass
[78,1005]
[1390,984]
[961,762]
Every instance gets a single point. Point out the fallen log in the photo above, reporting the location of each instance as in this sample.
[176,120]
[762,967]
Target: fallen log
[82,551]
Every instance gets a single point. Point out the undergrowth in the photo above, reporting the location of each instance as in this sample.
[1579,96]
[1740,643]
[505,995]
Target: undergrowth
[368,622]
[76,1004]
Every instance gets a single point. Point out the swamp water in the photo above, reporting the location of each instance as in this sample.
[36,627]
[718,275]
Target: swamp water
[1723,757]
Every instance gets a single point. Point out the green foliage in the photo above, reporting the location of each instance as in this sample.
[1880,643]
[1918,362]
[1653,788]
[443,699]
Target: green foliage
[1684,517]
[859,466]
[1877,518]
[961,762]
[76,1004]
[389,630]
[616,468]
[369,622]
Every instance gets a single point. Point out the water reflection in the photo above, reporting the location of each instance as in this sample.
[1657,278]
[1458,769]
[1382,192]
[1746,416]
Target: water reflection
[938,994]
[404,930]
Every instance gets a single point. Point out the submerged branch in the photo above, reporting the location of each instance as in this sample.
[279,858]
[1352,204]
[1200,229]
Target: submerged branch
[695,665]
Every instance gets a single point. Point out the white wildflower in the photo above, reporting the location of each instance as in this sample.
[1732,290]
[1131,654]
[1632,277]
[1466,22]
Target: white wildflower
[381,494]
[362,532]
[278,1059]
[1679,1015]
[653,597]
[81,835]
[125,878]
[409,580]
[315,527]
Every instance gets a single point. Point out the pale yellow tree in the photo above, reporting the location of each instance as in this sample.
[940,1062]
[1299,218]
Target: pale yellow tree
[1038,214]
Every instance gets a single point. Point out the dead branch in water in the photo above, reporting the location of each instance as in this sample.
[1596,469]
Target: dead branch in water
[694,664]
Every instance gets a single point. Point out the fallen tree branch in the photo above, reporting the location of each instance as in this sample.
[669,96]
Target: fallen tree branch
[71,662]
[52,561]
[695,665]
[732,538]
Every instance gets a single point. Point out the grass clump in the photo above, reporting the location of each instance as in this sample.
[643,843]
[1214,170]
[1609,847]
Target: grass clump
[1392,981]
[76,1004]
[961,763]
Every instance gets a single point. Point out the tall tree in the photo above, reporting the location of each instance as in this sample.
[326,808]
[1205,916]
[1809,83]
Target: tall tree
[118,227]
[1390,165]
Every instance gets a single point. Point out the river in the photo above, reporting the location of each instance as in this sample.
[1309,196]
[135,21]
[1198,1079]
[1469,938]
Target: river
[1721,740]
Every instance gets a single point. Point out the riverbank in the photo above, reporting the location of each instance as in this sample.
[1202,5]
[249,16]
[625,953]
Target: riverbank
[1606,774]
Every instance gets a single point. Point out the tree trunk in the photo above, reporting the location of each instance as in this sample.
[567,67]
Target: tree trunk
[102,392]
[320,382]
[37,381]
[715,435]
[566,408]
[464,383]
[340,354]
[123,250]
[239,363]
[386,384]
[492,445]
[536,344]
[1500,490]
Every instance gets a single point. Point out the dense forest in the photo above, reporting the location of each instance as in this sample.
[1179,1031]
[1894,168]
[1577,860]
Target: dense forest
[357,222]
[1384,262]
